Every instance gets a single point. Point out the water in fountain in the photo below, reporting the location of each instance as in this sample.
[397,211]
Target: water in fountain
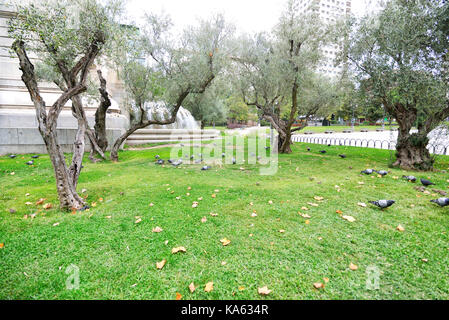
[159,111]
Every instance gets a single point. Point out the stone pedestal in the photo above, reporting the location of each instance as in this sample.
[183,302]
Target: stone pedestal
[18,123]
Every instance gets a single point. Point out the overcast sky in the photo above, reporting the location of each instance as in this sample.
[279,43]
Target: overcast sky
[247,15]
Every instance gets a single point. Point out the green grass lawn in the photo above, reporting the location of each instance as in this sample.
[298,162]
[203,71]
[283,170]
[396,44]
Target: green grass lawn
[117,257]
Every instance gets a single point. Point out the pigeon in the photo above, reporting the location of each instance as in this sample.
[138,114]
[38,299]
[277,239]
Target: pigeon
[266,148]
[409,178]
[170,161]
[198,161]
[12,156]
[329,145]
[343,156]
[223,155]
[205,168]
[176,163]
[157,156]
[160,161]
[323,151]
[383,204]
[234,161]
[442,202]
[308,149]
[367,171]
[427,183]
[35,157]
[30,163]
[382,172]
[192,157]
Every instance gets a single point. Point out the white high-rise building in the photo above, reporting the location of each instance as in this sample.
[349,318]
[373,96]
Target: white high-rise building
[329,11]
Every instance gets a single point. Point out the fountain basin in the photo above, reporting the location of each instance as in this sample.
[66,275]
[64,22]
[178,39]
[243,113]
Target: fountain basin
[144,136]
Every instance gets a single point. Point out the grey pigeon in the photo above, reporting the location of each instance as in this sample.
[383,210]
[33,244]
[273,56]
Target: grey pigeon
[409,178]
[176,163]
[192,157]
[160,161]
[329,145]
[308,149]
[367,171]
[234,161]
[205,168]
[223,155]
[323,151]
[343,156]
[12,156]
[157,156]
[442,202]
[382,172]
[35,157]
[266,148]
[427,183]
[30,163]
[383,204]
[198,161]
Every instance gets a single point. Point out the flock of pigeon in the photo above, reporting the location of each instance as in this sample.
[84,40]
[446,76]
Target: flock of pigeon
[29,163]
[383,204]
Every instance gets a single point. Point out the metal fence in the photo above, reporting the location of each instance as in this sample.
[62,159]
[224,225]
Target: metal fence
[366,143]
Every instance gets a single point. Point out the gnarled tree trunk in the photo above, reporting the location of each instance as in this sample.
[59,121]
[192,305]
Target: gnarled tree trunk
[100,114]
[68,198]
[412,152]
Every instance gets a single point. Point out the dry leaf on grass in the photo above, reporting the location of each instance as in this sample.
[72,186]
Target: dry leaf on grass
[264,291]
[178,296]
[47,206]
[317,198]
[56,224]
[40,201]
[178,249]
[192,287]
[29,203]
[312,204]
[339,212]
[253,214]
[139,220]
[157,229]
[348,218]
[304,215]
[151,204]
[361,204]
[161,264]
[203,219]
[225,241]
[270,202]
[213,214]
[400,228]
[2,245]
[282,231]
[209,286]
[214,195]
[318,285]
[353,267]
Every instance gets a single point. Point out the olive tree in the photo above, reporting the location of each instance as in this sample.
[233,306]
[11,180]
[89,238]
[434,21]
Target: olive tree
[69,35]
[271,68]
[401,59]
[170,70]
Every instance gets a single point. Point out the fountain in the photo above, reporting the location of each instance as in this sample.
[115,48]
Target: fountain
[184,128]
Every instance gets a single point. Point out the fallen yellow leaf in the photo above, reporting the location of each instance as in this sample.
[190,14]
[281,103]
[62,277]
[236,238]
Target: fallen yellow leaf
[2,245]
[178,249]
[353,267]
[400,228]
[264,291]
[225,241]
[192,287]
[161,264]
[209,286]
[157,229]
[178,296]
[203,219]
[349,218]
[318,285]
